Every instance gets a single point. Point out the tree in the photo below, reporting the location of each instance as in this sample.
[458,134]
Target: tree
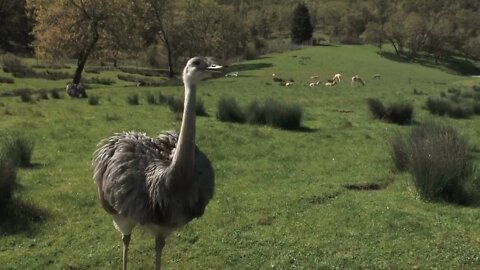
[301,28]
[73,28]
[15,26]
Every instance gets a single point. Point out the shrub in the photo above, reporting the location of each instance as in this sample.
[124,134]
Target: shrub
[98,80]
[476,88]
[10,62]
[133,100]
[20,149]
[400,153]
[8,178]
[256,114]
[229,111]
[460,111]
[400,113]
[438,106]
[26,97]
[283,116]
[162,99]
[476,107]
[93,100]
[200,108]
[55,94]
[441,166]
[42,94]
[151,99]
[376,108]
[175,105]
[454,91]
[6,80]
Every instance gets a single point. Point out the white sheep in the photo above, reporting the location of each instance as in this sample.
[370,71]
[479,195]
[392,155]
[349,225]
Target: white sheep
[337,77]
[357,79]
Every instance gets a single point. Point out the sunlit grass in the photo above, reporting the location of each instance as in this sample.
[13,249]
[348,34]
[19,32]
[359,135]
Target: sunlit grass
[280,200]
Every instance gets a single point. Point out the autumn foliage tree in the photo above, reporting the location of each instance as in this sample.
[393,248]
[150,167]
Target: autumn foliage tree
[74,28]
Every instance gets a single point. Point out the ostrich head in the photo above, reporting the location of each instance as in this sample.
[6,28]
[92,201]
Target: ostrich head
[197,68]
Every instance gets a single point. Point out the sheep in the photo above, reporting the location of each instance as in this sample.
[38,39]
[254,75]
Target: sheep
[314,83]
[288,83]
[232,74]
[330,83]
[313,77]
[357,79]
[337,77]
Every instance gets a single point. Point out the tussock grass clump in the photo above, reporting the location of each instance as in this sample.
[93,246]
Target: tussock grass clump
[461,111]
[230,111]
[400,153]
[8,178]
[476,88]
[93,100]
[20,150]
[439,161]
[26,97]
[174,104]
[476,107]
[98,80]
[399,113]
[144,71]
[133,100]
[256,113]
[43,94]
[438,106]
[282,115]
[139,80]
[151,99]
[200,108]
[6,80]
[54,93]
[376,108]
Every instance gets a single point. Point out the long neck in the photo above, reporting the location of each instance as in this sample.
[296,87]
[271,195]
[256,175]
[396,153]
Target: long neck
[184,157]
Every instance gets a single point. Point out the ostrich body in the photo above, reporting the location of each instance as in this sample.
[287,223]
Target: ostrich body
[160,183]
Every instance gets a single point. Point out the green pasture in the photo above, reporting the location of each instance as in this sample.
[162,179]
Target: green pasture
[280,200]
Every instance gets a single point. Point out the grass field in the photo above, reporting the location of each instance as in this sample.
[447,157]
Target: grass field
[280,200]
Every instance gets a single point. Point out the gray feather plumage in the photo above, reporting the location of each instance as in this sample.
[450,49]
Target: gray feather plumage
[132,174]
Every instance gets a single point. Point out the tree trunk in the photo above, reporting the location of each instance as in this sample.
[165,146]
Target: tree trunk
[82,60]
[395,47]
[170,64]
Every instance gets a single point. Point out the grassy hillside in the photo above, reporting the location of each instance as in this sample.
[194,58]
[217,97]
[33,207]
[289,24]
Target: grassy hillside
[280,199]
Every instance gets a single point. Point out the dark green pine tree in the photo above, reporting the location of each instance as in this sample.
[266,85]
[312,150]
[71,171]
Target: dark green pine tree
[302,28]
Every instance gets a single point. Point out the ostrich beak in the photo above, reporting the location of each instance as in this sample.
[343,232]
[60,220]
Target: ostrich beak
[214,68]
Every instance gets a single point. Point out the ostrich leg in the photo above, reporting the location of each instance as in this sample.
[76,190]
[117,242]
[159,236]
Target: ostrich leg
[159,243]
[126,241]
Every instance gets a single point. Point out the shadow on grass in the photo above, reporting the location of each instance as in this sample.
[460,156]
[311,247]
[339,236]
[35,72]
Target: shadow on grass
[455,65]
[19,217]
[368,186]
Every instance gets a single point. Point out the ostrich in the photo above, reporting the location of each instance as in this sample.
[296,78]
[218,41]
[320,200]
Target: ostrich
[160,183]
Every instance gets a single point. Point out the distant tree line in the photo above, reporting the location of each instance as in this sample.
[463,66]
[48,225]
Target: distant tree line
[166,32]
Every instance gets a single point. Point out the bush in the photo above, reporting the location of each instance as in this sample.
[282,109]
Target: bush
[10,62]
[460,111]
[20,150]
[93,100]
[200,108]
[42,94]
[438,106]
[151,99]
[26,97]
[133,100]
[8,178]
[400,113]
[98,80]
[6,80]
[376,108]
[283,116]
[162,99]
[55,94]
[175,105]
[476,88]
[441,165]
[400,153]
[256,114]
[476,107]
[229,111]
